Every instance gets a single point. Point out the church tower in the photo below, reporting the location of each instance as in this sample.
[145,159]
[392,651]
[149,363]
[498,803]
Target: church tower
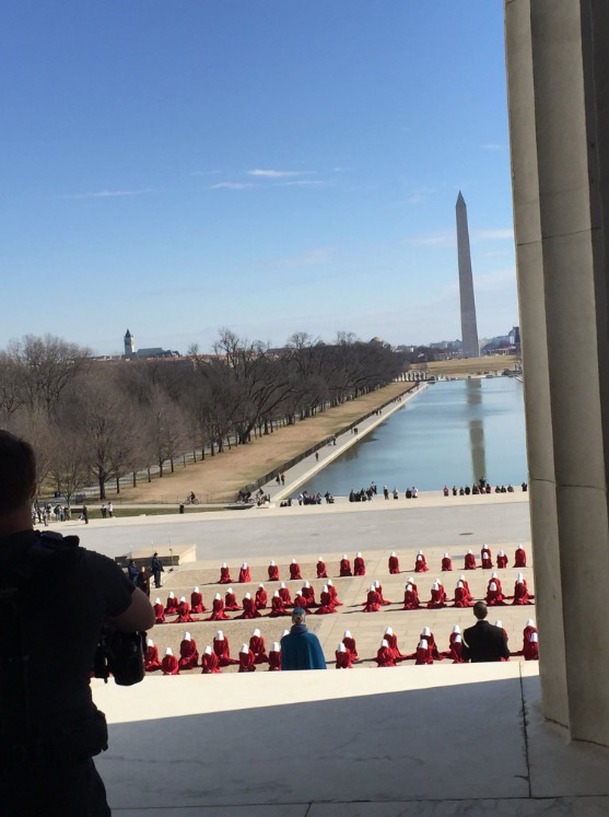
[129,344]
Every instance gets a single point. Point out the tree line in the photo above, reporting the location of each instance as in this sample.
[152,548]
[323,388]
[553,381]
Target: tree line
[93,420]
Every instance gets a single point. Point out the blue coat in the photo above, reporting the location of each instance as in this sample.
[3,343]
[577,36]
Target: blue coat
[301,649]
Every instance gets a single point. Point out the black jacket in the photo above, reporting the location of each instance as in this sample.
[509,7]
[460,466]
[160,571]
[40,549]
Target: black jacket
[484,642]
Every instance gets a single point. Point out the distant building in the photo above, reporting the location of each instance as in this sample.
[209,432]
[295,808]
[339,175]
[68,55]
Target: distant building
[145,354]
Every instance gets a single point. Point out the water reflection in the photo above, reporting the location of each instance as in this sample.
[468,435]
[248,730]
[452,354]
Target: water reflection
[452,433]
[473,398]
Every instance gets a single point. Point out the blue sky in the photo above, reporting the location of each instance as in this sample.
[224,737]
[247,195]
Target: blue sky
[272,166]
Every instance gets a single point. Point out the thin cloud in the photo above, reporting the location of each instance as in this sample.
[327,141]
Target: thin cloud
[231,186]
[278,174]
[493,235]
[109,194]
[420,195]
[442,239]
[303,183]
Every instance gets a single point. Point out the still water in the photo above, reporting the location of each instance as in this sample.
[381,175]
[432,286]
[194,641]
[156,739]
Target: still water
[452,433]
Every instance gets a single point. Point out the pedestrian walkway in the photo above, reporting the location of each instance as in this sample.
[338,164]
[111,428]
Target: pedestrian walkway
[304,470]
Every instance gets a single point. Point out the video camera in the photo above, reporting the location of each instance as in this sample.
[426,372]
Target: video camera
[120,655]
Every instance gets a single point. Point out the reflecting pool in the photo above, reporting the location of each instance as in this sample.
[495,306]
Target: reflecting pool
[452,433]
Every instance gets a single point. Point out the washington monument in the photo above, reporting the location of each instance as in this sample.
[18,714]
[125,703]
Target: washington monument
[469,329]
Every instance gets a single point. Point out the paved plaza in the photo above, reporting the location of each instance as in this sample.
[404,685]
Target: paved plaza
[434,740]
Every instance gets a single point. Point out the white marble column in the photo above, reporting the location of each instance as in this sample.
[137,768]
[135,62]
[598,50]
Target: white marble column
[558,73]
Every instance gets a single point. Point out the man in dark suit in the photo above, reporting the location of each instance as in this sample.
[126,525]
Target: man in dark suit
[483,641]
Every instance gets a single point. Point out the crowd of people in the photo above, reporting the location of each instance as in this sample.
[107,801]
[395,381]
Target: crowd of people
[283,601]
[254,654]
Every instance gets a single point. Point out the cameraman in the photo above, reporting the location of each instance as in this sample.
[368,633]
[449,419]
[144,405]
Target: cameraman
[49,727]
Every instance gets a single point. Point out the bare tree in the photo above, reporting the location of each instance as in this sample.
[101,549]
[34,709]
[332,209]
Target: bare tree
[49,365]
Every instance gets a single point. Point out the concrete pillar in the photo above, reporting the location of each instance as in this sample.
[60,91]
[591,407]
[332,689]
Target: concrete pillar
[558,73]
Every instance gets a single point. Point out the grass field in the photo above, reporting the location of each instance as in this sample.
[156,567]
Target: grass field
[218,479]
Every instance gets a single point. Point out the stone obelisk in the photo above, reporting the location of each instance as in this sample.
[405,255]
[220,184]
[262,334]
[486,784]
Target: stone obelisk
[469,329]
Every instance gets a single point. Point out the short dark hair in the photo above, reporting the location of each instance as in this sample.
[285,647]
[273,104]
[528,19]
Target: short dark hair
[17,472]
[480,610]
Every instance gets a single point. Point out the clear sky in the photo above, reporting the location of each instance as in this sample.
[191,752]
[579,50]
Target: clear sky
[271,166]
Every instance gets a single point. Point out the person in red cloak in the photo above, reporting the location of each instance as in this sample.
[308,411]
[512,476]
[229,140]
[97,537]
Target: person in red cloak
[196,601]
[502,560]
[225,574]
[273,572]
[531,649]
[350,644]
[470,560]
[520,557]
[379,589]
[461,596]
[392,642]
[222,649]
[189,655]
[277,606]
[394,564]
[447,563]
[499,624]
[428,636]
[486,558]
[299,600]
[308,593]
[285,594]
[275,657]
[184,612]
[325,606]
[495,578]
[322,573]
[230,600]
[343,657]
[521,593]
[258,647]
[466,586]
[424,653]
[169,664]
[171,607]
[209,662]
[333,593]
[159,611]
[438,596]
[295,571]
[247,661]
[384,656]
[373,602]
[528,631]
[454,646]
[494,596]
[420,563]
[249,607]
[359,565]
[411,598]
[217,609]
[345,566]
[151,657]
[244,574]
[261,598]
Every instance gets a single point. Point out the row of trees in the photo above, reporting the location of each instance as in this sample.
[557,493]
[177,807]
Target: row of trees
[100,420]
